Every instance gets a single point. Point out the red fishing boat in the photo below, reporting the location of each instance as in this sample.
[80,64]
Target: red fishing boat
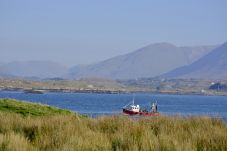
[132,109]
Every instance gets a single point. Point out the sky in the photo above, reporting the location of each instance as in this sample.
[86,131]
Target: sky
[75,32]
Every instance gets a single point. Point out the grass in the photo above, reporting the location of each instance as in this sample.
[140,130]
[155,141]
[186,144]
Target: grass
[32,109]
[71,132]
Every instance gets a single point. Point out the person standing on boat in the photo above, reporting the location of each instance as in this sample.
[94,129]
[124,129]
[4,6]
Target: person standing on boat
[154,107]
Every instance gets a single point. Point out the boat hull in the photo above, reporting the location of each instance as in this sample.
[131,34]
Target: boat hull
[140,113]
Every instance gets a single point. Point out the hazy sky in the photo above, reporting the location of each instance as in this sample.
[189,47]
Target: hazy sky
[83,31]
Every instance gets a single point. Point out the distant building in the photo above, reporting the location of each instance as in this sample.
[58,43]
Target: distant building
[90,86]
[203,91]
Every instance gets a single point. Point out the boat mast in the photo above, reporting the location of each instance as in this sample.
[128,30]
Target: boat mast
[133,99]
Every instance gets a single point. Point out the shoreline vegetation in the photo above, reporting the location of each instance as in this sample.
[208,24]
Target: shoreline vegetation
[29,126]
[178,87]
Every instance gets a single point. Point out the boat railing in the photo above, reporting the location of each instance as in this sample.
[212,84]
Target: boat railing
[130,103]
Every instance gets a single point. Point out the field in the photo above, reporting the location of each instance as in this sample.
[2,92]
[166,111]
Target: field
[40,127]
[62,85]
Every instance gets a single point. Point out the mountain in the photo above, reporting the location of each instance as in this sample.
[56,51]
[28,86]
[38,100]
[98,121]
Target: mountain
[211,66]
[149,61]
[40,69]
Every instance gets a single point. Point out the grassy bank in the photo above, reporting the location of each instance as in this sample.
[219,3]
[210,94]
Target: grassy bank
[30,109]
[60,131]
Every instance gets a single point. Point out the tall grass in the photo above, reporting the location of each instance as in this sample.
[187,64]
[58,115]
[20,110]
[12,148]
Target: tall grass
[28,126]
[71,132]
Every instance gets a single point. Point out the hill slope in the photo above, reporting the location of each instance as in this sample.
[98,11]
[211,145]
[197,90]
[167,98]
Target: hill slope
[32,109]
[211,66]
[149,61]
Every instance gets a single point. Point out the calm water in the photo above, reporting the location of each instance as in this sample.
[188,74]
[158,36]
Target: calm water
[104,104]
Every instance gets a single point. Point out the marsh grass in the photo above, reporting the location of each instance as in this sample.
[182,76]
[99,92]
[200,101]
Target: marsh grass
[66,132]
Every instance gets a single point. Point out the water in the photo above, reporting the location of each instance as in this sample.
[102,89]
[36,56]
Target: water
[107,104]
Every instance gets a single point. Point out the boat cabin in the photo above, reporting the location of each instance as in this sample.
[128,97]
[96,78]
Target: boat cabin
[135,108]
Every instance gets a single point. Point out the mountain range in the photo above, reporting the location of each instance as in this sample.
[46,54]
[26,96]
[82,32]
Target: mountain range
[149,61]
[154,60]
[211,66]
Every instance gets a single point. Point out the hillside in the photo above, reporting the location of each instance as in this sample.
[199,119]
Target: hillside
[32,109]
[211,66]
[149,61]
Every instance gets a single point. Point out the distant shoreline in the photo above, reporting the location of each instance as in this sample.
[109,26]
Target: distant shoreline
[171,87]
[41,91]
